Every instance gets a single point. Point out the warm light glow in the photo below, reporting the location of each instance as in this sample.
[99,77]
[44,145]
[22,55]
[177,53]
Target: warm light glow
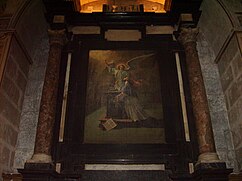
[89,6]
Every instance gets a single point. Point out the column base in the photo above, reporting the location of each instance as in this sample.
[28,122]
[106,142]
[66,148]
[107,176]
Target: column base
[40,158]
[38,171]
[209,157]
[209,167]
[209,160]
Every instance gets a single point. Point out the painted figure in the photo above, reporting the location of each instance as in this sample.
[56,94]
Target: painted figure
[132,106]
[119,73]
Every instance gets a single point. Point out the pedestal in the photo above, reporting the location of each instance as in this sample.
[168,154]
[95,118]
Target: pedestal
[211,171]
[38,171]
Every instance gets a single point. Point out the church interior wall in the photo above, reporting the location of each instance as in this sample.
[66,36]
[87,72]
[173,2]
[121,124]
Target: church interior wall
[219,26]
[216,101]
[37,45]
[28,50]
[215,24]
[30,111]
[12,93]
[222,71]
[230,68]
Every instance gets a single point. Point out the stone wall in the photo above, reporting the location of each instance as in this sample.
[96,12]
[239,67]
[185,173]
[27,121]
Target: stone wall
[11,98]
[215,24]
[217,41]
[216,101]
[37,47]
[26,26]
[230,69]
[30,112]
[219,25]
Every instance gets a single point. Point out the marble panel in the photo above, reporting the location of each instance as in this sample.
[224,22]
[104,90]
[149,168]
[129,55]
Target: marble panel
[37,73]
[21,155]
[125,175]
[28,130]
[159,29]
[124,167]
[35,88]
[85,30]
[216,103]
[122,35]
[32,103]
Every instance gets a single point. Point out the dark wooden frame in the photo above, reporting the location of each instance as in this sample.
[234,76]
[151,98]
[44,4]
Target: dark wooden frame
[73,154]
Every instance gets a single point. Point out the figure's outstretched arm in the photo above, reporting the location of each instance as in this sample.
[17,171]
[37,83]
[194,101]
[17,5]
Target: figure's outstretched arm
[110,66]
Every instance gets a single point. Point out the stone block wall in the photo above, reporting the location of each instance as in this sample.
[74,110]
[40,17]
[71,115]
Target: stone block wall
[215,24]
[219,24]
[216,102]
[12,91]
[32,29]
[25,22]
[31,104]
[230,69]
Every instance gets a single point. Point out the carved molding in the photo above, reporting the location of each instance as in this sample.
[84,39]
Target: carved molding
[188,35]
[57,37]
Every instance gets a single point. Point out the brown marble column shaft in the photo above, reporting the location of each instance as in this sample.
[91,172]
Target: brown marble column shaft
[207,150]
[42,151]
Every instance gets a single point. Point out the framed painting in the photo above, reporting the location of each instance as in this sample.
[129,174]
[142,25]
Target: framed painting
[123,104]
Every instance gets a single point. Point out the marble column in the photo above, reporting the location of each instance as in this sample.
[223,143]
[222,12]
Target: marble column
[207,151]
[44,135]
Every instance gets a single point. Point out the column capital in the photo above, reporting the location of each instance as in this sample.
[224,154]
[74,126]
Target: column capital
[187,35]
[57,37]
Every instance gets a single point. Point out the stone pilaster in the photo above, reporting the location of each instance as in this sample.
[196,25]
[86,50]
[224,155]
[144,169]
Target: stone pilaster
[42,151]
[207,150]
